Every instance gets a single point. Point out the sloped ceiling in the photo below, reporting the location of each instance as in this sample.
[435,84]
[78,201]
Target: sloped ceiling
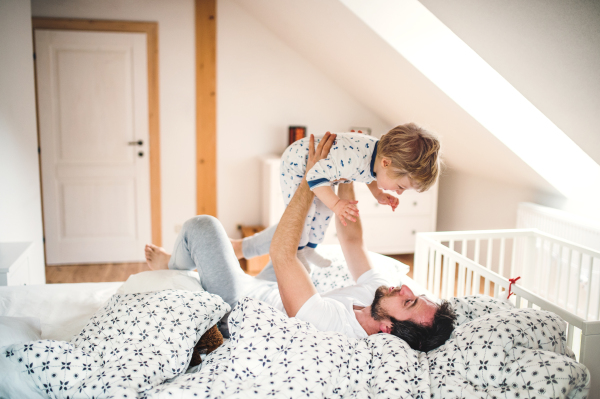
[547,49]
[337,42]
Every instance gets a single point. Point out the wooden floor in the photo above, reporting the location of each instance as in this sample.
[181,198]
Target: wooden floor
[121,271]
[107,272]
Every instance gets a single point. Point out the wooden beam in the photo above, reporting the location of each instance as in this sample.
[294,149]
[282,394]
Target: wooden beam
[206,107]
[151,31]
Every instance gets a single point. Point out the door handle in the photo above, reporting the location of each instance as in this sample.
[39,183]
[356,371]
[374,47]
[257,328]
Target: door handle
[139,142]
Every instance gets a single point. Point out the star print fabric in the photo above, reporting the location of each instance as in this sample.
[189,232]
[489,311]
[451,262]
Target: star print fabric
[132,344]
[270,355]
[127,351]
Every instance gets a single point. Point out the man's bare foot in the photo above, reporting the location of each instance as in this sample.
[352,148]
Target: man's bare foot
[156,257]
[237,248]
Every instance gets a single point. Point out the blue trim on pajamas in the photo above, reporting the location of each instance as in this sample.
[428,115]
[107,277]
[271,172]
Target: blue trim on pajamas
[372,159]
[313,183]
[311,245]
[299,248]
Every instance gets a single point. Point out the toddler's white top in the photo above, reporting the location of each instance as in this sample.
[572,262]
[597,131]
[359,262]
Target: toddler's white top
[352,157]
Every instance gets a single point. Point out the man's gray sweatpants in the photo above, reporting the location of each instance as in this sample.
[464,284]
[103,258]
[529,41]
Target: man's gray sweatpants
[203,244]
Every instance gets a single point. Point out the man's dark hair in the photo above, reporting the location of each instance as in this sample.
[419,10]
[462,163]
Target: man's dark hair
[426,338]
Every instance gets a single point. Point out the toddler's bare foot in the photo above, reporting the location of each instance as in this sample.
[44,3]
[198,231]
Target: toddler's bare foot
[156,257]
[237,248]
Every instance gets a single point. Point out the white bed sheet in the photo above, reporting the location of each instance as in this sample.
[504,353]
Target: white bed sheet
[63,309]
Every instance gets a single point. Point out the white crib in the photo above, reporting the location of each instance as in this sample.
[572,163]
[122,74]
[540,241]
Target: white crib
[556,275]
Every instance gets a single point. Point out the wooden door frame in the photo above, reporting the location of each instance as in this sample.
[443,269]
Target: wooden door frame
[206,107]
[151,31]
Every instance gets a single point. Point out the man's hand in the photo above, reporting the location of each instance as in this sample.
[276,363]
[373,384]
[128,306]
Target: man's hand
[322,149]
[388,199]
[346,209]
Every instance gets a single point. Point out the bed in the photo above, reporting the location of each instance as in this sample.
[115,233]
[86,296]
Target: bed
[135,340]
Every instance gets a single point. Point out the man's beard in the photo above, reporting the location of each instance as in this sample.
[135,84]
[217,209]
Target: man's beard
[376,312]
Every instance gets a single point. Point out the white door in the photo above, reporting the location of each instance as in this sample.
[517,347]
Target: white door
[93,118]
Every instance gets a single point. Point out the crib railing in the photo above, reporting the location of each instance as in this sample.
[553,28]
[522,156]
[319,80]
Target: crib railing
[555,275]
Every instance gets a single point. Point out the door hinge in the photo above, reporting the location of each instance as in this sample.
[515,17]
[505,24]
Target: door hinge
[39,150]
[44,240]
[34,57]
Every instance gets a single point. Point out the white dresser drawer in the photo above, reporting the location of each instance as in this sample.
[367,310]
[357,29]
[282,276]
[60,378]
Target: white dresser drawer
[411,203]
[394,235]
[414,203]
[388,235]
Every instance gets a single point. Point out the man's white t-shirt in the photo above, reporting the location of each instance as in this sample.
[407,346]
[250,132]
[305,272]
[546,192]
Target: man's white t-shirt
[334,310]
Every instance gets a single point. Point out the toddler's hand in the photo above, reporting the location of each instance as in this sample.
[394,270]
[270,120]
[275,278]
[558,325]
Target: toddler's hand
[388,199]
[346,209]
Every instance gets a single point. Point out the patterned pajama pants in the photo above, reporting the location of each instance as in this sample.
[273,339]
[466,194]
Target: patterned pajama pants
[293,167]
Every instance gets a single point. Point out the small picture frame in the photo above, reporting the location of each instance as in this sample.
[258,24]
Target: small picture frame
[296,133]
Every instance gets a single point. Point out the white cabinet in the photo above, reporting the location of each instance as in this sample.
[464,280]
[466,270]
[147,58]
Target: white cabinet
[272,199]
[14,263]
[384,231]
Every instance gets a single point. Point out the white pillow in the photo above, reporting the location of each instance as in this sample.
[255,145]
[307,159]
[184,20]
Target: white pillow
[159,280]
[506,353]
[15,384]
[14,330]
[134,342]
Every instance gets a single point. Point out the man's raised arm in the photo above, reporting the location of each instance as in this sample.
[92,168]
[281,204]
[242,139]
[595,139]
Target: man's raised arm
[351,238]
[295,286]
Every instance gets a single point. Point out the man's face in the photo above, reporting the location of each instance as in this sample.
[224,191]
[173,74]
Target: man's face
[402,304]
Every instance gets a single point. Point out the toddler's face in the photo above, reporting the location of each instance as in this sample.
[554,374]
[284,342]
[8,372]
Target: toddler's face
[386,181]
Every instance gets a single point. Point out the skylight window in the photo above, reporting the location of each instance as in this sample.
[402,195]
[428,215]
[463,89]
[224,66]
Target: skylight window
[466,78]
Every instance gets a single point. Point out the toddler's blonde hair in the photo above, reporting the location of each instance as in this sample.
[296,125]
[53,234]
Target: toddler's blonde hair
[413,151]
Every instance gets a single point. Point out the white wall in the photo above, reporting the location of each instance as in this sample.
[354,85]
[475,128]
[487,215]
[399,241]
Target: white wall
[177,90]
[547,49]
[263,86]
[471,202]
[20,198]
[266,83]
[345,49]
